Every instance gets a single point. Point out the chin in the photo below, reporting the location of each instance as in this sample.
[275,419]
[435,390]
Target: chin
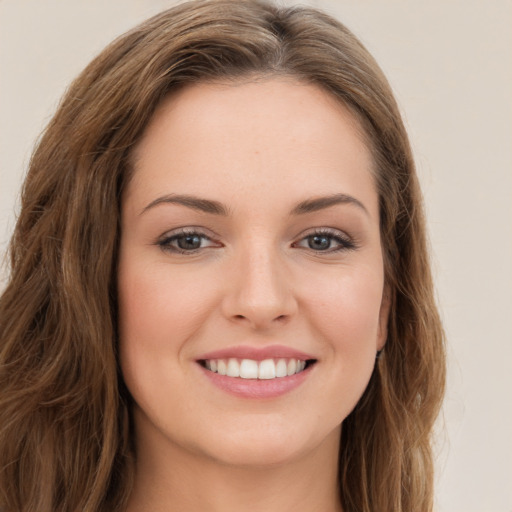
[263,447]
[260,455]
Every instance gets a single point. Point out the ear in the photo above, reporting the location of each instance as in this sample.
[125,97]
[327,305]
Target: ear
[385,307]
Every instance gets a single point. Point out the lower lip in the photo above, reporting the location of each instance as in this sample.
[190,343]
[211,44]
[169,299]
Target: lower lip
[257,388]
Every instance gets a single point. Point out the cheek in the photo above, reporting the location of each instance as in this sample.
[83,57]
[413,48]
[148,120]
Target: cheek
[159,312]
[345,315]
[154,305]
[344,311]
[347,307]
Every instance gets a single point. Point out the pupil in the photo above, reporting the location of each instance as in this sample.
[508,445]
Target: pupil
[319,242]
[189,242]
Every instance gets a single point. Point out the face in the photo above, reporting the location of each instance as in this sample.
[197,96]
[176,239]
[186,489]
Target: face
[250,246]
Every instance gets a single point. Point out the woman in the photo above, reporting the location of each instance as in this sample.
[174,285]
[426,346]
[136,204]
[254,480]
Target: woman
[220,293]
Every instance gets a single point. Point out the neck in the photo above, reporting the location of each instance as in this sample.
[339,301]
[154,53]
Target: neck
[176,479]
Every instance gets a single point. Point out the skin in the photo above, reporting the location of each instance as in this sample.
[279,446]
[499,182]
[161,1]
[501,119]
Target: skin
[258,147]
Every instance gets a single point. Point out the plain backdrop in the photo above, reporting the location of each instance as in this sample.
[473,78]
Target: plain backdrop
[450,64]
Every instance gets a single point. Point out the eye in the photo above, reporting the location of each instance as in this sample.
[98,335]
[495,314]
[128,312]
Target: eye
[186,242]
[326,240]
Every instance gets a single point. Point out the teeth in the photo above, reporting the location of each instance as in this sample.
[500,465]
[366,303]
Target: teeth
[233,368]
[267,369]
[281,368]
[221,367]
[251,369]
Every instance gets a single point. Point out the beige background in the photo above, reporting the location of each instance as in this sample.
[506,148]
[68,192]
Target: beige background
[449,62]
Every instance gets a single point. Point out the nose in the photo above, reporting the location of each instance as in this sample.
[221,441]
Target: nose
[260,292]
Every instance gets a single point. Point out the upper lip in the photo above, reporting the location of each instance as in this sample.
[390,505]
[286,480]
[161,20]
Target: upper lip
[257,353]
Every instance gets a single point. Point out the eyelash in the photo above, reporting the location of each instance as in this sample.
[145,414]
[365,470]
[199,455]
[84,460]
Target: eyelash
[165,243]
[345,243]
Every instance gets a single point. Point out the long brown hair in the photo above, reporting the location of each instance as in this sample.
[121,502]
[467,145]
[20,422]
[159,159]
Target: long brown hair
[64,412]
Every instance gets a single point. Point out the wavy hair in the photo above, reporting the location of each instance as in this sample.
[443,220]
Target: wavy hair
[65,439]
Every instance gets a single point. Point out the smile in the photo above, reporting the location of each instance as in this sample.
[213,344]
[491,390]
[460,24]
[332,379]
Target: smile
[257,372]
[266,369]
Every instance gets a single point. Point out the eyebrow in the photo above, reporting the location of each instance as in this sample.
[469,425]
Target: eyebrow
[196,203]
[319,203]
[217,208]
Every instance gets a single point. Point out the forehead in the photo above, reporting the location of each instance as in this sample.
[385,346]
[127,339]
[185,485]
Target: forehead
[273,138]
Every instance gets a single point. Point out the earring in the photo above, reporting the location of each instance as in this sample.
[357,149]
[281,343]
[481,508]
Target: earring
[379,352]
